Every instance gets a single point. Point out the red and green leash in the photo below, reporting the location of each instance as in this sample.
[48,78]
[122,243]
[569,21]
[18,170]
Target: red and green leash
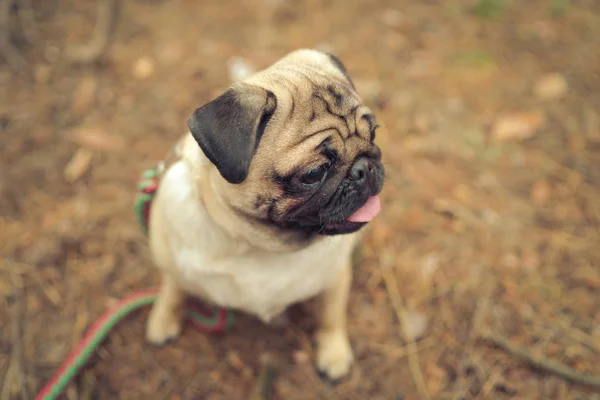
[214,321]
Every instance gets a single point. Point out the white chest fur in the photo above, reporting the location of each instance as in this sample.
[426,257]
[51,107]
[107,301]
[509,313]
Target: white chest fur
[206,264]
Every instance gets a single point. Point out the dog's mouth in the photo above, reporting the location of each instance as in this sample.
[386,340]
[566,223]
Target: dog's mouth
[352,222]
[357,220]
[367,212]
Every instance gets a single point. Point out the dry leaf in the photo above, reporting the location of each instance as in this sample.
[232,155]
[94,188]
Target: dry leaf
[300,357]
[462,193]
[42,73]
[510,260]
[395,40]
[96,138]
[436,378]
[84,94]
[393,18]
[517,126]
[588,277]
[111,302]
[216,377]
[235,361]
[421,122]
[540,193]
[44,252]
[78,166]
[382,231]
[34,304]
[551,87]
[423,65]
[530,260]
[430,265]
[170,53]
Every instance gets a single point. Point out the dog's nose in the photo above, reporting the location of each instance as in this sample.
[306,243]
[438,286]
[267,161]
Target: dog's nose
[359,171]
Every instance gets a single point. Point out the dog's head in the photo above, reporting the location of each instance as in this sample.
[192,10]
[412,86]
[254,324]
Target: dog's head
[293,146]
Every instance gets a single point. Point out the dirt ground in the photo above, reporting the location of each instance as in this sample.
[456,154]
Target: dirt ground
[491,211]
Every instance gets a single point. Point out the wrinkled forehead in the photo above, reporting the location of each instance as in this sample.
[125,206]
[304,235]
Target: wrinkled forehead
[311,101]
[311,116]
[302,92]
[316,102]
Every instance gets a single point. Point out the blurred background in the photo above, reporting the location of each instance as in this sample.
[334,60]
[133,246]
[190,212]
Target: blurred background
[491,212]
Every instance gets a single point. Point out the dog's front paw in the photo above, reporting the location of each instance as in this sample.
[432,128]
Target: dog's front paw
[334,355]
[162,327]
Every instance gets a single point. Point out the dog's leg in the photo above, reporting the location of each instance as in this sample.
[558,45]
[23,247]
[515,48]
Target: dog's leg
[334,354]
[164,323]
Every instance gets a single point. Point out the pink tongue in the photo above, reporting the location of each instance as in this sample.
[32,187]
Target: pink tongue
[367,212]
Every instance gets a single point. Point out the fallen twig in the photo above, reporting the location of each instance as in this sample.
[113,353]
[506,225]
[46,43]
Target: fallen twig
[91,52]
[27,19]
[413,356]
[542,363]
[579,335]
[8,51]
[7,383]
[481,310]
[263,388]
[398,353]
[17,346]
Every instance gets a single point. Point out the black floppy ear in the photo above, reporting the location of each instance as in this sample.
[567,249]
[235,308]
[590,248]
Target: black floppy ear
[340,65]
[229,128]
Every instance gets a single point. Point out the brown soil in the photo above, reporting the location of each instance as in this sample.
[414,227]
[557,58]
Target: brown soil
[491,210]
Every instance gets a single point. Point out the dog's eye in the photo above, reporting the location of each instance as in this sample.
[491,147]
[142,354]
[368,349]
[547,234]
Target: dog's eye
[314,175]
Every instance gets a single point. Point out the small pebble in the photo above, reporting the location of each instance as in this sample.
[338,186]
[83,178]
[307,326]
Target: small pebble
[551,87]
[143,68]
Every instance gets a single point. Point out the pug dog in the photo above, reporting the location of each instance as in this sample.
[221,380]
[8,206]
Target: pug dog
[264,205]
